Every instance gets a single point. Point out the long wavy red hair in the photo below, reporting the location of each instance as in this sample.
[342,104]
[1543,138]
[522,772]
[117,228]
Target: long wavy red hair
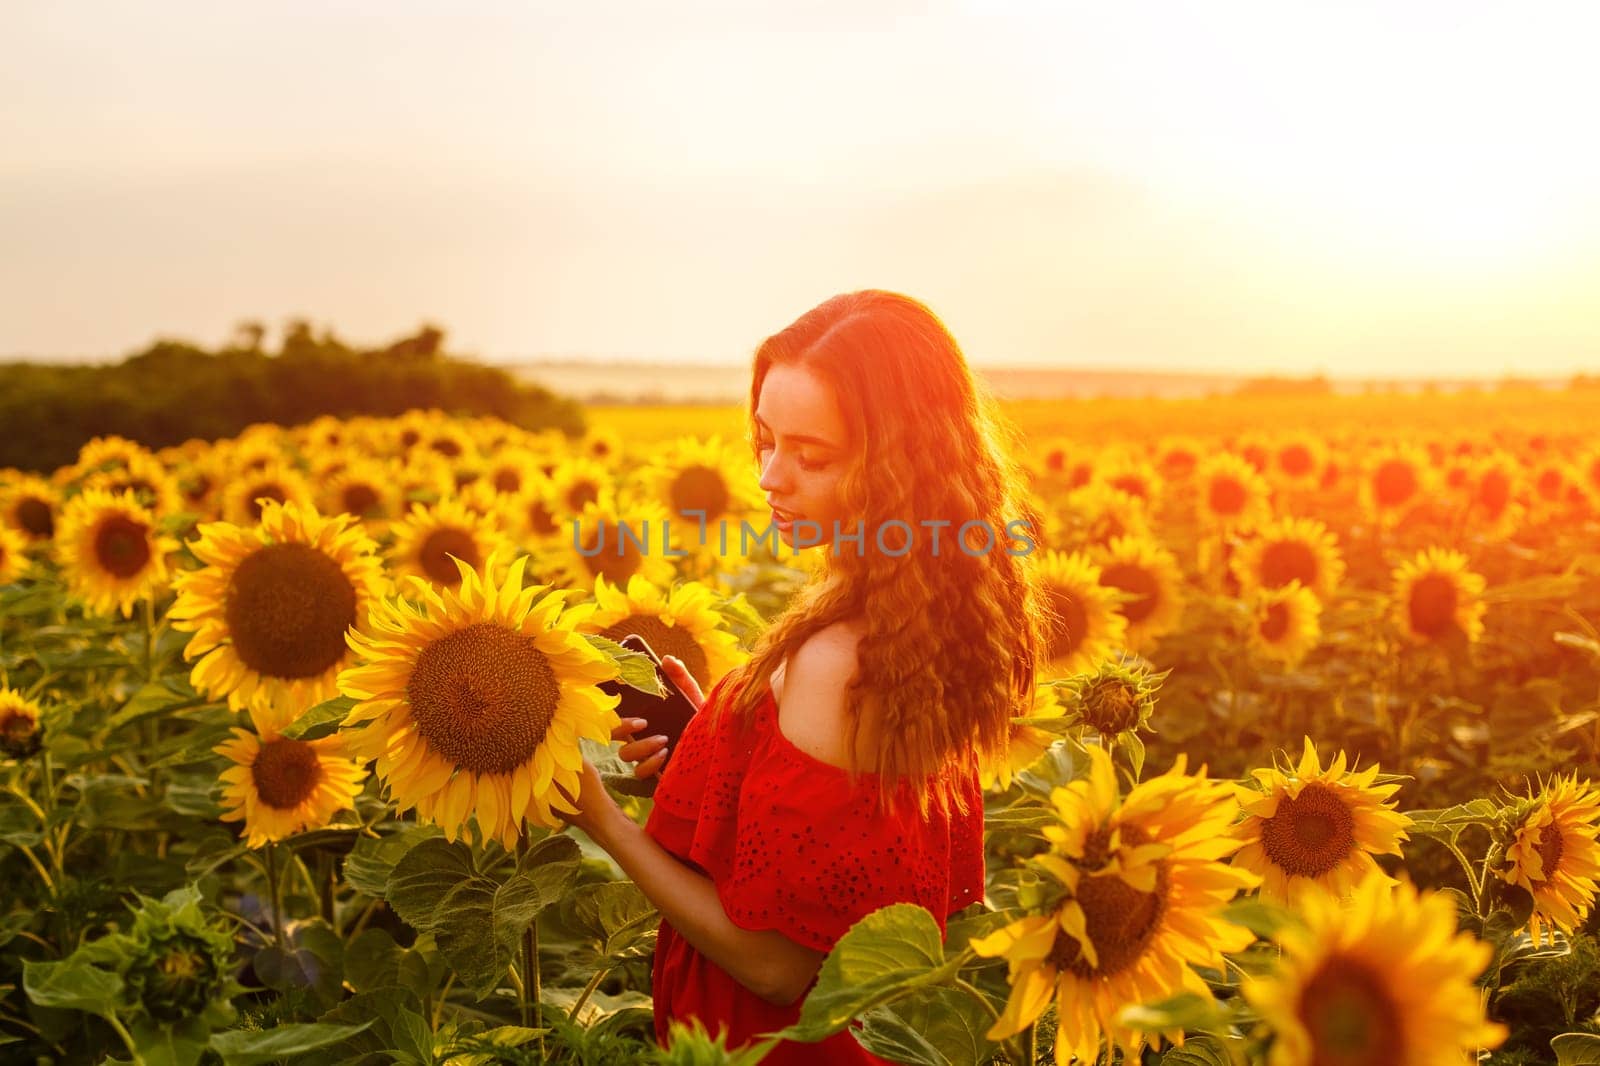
[950,640]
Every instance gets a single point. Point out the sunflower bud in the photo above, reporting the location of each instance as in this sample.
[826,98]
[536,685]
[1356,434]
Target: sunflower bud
[1116,698]
[175,962]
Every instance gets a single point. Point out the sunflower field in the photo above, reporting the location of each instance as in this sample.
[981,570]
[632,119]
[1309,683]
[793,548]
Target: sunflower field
[288,720]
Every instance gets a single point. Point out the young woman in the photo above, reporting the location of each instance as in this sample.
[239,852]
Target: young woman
[836,772]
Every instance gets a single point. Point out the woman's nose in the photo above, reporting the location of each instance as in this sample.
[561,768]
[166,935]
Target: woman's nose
[772,479]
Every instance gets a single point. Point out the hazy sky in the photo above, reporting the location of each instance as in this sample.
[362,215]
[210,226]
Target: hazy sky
[1356,188]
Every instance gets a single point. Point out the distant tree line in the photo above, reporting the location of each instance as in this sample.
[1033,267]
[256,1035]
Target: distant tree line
[173,391]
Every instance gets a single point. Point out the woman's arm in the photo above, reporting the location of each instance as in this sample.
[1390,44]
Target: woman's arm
[777,969]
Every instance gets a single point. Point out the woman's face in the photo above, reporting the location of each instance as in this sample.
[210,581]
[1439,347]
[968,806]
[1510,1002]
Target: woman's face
[803,447]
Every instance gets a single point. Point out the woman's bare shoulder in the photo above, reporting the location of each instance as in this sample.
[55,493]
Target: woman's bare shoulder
[813,710]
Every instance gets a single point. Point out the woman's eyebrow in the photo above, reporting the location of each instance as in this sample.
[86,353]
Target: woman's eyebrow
[799,437]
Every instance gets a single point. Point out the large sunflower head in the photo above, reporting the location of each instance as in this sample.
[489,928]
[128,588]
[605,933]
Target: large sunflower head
[277,482]
[473,701]
[270,607]
[13,554]
[511,471]
[1437,599]
[20,736]
[112,554]
[1178,458]
[616,542]
[1231,493]
[1085,625]
[278,786]
[1285,623]
[1380,978]
[1148,577]
[683,622]
[1307,828]
[1131,475]
[1142,887]
[533,513]
[1553,854]
[427,539]
[29,504]
[1290,549]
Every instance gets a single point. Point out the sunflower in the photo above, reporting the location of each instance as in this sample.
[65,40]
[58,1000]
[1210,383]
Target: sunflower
[1232,494]
[1290,549]
[577,482]
[270,607]
[1588,474]
[277,481]
[19,725]
[1298,461]
[702,483]
[684,622]
[1554,854]
[425,477]
[1147,574]
[1310,828]
[474,701]
[1133,476]
[1118,697]
[533,513]
[602,444]
[361,487]
[1381,978]
[1493,484]
[1085,624]
[111,552]
[1028,742]
[29,504]
[425,540]
[1060,464]
[1286,623]
[513,470]
[1143,888]
[108,453]
[278,786]
[151,483]
[200,482]
[1396,478]
[1177,458]
[1097,514]
[605,539]
[1437,598]
[13,555]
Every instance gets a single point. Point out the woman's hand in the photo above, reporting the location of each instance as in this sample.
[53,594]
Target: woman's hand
[648,753]
[596,808]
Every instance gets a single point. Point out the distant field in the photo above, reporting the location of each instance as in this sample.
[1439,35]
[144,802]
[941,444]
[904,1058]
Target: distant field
[1126,418]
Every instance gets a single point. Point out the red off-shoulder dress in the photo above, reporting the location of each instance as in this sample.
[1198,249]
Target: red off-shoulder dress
[792,845]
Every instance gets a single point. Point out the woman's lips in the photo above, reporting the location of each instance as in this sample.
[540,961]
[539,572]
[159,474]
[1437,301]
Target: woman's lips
[784,519]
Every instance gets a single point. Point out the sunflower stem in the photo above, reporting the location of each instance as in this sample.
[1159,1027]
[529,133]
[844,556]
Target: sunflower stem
[273,895]
[588,990]
[531,991]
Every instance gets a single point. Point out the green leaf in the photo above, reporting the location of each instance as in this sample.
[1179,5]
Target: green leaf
[542,878]
[372,860]
[372,960]
[1262,919]
[888,953]
[1021,818]
[945,1022]
[1204,1050]
[1184,1011]
[425,877]
[616,916]
[156,697]
[313,959]
[634,667]
[1447,823]
[178,1044]
[71,984]
[1576,1049]
[239,1048]
[320,721]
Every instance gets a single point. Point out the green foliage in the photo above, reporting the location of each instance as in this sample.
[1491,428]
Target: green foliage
[173,391]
